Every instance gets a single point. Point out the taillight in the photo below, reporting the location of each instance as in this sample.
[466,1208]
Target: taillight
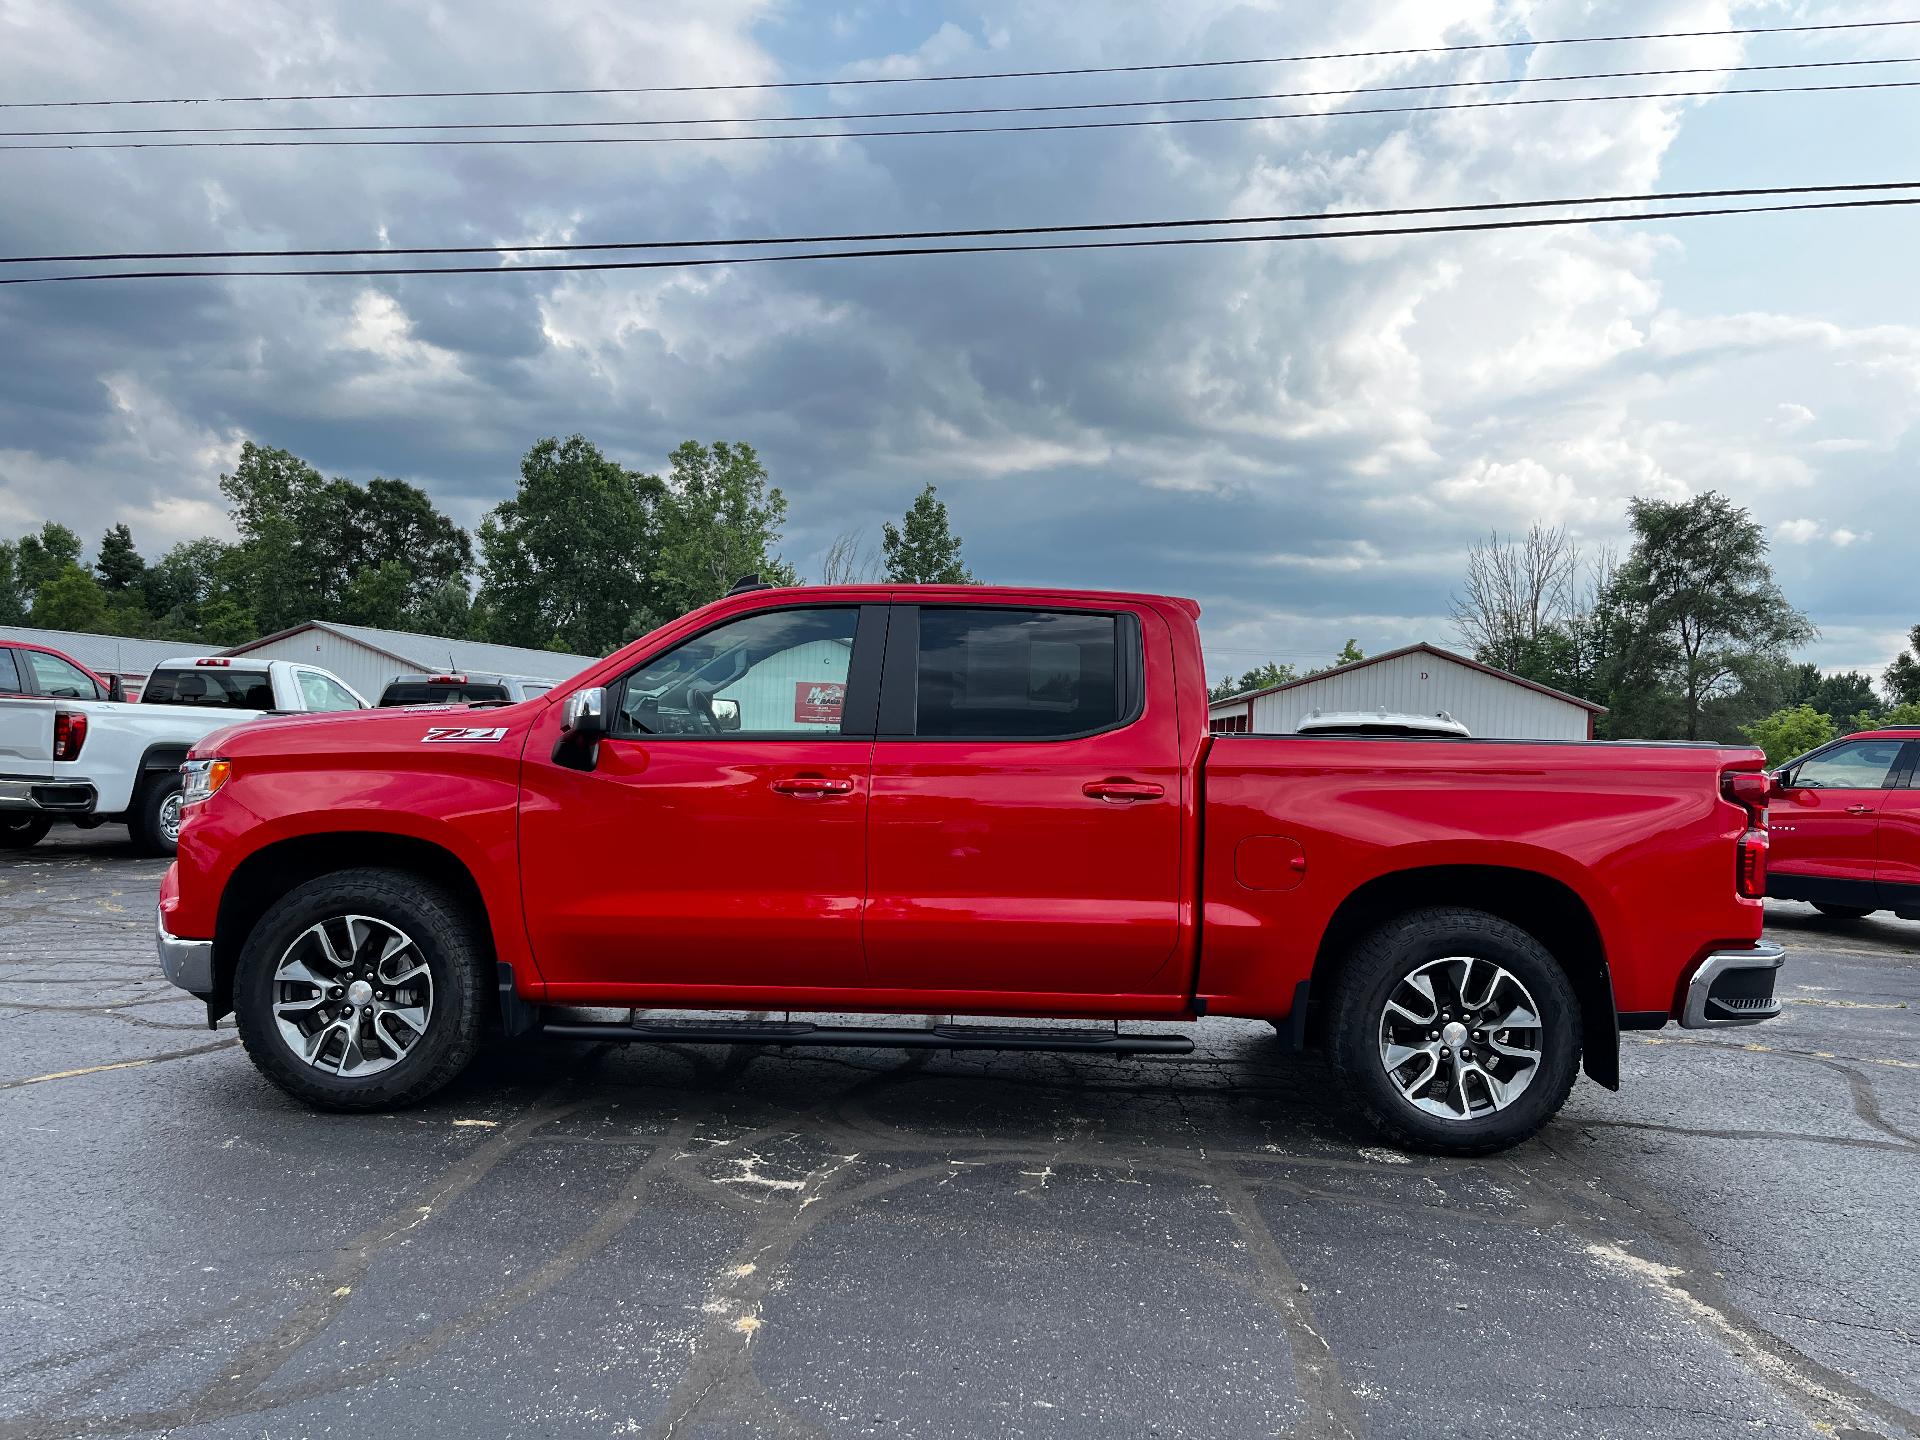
[1749,790]
[1752,871]
[69,734]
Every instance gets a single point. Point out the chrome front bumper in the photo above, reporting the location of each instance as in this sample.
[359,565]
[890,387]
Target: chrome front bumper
[1734,987]
[187,963]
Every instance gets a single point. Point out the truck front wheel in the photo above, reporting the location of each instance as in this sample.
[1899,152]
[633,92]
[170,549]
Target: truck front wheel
[1455,1031]
[363,990]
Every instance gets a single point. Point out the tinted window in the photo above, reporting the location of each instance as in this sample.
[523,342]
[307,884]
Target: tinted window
[9,673]
[323,692]
[59,678]
[419,693]
[210,685]
[1858,765]
[781,672]
[1016,673]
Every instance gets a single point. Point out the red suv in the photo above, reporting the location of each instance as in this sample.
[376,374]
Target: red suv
[1845,826]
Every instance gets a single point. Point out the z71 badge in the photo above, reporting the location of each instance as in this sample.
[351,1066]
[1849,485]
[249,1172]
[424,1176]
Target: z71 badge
[483,734]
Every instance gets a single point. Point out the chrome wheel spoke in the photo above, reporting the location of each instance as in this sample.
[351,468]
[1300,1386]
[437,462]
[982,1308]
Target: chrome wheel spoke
[339,1009]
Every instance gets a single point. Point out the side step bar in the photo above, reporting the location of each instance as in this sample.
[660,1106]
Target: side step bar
[940,1037]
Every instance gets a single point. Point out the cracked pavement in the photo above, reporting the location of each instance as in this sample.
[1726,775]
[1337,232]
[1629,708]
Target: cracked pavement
[704,1241]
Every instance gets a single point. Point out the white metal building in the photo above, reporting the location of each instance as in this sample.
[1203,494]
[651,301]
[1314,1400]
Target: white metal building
[1418,680]
[367,658]
[109,655]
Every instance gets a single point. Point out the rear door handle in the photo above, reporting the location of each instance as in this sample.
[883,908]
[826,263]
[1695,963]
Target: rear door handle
[812,785]
[1121,791]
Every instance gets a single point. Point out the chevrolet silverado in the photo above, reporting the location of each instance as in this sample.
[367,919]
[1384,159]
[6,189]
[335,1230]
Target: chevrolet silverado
[976,801]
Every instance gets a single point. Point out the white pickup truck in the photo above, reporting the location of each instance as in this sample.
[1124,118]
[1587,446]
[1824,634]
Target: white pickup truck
[96,762]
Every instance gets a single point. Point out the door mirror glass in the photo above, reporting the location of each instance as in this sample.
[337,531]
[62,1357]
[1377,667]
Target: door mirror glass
[585,715]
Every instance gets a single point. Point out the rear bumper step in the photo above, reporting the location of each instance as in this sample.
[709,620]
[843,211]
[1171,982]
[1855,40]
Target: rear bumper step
[1734,987]
[879,1037]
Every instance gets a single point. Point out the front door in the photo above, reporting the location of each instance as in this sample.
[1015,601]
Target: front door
[719,842]
[1027,806]
[1821,828]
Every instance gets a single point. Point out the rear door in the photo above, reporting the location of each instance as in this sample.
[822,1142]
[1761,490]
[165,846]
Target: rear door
[26,726]
[1026,818]
[1822,828]
[1897,840]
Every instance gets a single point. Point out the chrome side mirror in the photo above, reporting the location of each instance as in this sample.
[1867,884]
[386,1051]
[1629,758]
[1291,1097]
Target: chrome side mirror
[585,714]
[726,714]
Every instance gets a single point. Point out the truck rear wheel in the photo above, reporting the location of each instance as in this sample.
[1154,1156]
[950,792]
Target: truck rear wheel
[363,990]
[22,830]
[1455,1031]
[154,820]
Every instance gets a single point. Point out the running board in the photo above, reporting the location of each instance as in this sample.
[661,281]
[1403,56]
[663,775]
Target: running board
[940,1037]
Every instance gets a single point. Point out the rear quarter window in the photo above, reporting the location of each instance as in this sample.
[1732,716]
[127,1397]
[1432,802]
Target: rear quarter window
[440,694]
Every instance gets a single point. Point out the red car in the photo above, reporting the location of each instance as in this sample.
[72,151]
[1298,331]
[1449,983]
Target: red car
[40,670]
[1846,826]
[938,801]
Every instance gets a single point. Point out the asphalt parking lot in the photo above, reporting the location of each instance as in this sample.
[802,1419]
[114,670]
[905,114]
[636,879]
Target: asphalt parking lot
[588,1240]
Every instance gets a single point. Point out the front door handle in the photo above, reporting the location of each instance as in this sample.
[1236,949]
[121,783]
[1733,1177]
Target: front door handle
[1859,809]
[1121,791]
[812,785]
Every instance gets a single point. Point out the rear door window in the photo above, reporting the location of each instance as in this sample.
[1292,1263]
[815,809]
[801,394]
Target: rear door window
[320,691]
[210,685]
[1016,674]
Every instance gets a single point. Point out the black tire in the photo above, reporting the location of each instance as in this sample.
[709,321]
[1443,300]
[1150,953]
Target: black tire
[22,829]
[450,939]
[1369,977]
[1844,912]
[147,819]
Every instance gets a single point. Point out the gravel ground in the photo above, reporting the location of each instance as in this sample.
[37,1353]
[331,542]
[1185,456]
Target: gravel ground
[594,1240]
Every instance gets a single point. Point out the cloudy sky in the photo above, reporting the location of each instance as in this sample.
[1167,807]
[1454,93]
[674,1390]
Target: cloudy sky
[1306,437]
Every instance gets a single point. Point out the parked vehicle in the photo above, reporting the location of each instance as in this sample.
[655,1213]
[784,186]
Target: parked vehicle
[245,684]
[98,762]
[461,690]
[961,800]
[1381,722]
[41,670]
[1846,826]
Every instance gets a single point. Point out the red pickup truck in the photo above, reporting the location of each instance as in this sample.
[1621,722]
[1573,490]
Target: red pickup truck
[938,801]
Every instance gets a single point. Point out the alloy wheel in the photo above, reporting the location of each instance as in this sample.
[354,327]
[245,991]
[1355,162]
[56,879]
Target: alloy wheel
[352,995]
[1460,1037]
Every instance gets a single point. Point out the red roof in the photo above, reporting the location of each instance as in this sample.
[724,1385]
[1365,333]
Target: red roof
[1421,648]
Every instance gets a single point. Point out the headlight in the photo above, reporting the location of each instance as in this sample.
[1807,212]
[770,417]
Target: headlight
[200,778]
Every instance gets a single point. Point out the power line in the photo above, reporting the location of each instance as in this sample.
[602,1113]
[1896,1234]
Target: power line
[1854,25]
[446,140]
[1157,242]
[968,110]
[873,236]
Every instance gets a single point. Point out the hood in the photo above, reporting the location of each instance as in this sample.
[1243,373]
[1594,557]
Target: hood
[357,731]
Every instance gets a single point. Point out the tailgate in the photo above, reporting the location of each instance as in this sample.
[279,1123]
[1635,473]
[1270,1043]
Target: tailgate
[26,740]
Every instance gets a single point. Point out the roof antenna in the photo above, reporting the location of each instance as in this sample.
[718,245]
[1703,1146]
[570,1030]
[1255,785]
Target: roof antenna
[749,582]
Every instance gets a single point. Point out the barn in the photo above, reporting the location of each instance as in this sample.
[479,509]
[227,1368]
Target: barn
[367,658]
[1417,680]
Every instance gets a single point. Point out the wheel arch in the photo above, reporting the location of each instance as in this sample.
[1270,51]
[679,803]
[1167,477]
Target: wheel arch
[271,871]
[1547,908]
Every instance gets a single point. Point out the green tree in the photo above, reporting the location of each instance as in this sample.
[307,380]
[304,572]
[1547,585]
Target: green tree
[922,549]
[71,600]
[181,581]
[378,595]
[570,558]
[44,557]
[1261,677]
[1903,676]
[393,523]
[1350,653]
[1787,733]
[1697,598]
[448,612]
[1905,713]
[13,602]
[119,565]
[719,520]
